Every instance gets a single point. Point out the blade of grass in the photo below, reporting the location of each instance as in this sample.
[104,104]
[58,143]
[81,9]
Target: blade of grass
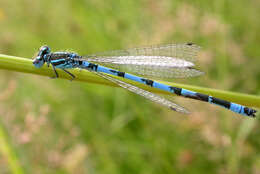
[25,65]
[9,152]
[234,158]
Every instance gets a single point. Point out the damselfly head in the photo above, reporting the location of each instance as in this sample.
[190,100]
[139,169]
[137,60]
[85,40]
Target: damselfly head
[40,58]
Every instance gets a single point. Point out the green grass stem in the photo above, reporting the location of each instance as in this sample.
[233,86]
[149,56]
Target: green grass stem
[25,65]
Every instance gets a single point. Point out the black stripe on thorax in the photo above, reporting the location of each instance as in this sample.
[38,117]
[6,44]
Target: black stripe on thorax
[58,63]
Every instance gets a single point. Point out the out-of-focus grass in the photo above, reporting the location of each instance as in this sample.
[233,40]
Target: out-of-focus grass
[8,152]
[59,126]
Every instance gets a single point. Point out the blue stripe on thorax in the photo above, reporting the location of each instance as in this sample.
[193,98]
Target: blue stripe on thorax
[57,60]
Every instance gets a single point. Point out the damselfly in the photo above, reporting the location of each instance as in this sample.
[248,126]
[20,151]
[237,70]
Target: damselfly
[161,62]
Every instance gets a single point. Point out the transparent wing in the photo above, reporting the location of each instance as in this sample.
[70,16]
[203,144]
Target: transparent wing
[162,61]
[148,95]
[186,51]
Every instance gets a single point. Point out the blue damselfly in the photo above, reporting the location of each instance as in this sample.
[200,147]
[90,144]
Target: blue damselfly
[159,62]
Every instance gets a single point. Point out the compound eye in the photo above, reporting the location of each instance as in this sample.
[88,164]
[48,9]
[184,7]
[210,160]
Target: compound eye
[44,50]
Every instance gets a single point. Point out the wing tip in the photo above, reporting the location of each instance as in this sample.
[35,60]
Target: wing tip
[181,110]
[198,72]
[189,43]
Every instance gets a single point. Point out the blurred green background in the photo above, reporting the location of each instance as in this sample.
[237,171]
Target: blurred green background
[57,126]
